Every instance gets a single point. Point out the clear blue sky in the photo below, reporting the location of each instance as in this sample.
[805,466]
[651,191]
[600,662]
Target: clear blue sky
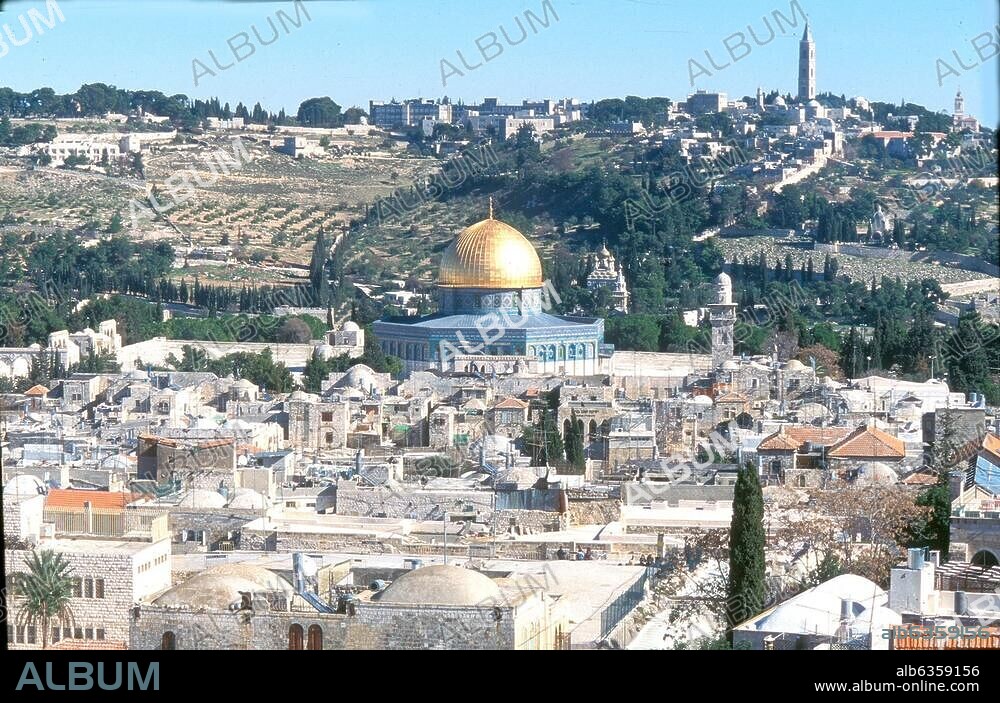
[362,49]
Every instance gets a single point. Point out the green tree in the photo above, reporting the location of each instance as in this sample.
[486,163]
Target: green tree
[634,332]
[934,530]
[746,587]
[320,112]
[971,347]
[574,444]
[542,440]
[46,589]
[315,373]
[115,226]
[317,269]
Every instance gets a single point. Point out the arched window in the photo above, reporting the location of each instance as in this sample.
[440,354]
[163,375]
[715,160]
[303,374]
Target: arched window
[315,637]
[984,558]
[295,637]
[169,641]
[593,430]
[571,352]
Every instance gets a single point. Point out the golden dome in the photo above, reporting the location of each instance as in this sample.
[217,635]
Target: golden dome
[490,254]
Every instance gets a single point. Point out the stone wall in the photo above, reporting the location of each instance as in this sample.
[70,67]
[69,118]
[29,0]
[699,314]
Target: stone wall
[593,512]
[528,522]
[409,503]
[804,478]
[216,524]
[128,577]
[373,626]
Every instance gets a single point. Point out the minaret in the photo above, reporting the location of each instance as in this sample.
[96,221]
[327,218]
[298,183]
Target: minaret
[722,318]
[959,104]
[807,66]
[760,98]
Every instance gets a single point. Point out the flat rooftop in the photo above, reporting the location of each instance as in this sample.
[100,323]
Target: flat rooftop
[582,589]
[95,546]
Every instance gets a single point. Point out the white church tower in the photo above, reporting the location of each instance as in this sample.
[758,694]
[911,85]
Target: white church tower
[807,67]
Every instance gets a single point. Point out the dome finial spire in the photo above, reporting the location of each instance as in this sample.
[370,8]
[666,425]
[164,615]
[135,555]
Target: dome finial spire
[491,207]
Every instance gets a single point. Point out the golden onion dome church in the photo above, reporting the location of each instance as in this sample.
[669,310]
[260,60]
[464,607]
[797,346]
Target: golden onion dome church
[493,314]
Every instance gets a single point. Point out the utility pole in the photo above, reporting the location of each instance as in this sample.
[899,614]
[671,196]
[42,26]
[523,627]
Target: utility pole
[446,537]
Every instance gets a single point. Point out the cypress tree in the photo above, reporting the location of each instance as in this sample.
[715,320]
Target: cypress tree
[574,444]
[746,591]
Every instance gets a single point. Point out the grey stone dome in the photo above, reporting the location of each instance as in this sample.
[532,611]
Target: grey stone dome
[442,585]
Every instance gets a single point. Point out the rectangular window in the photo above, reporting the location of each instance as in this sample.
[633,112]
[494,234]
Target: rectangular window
[100,633]
[77,587]
[98,588]
[56,632]
[329,437]
[327,417]
[19,636]
[31,634]
[88,587]
[88,633]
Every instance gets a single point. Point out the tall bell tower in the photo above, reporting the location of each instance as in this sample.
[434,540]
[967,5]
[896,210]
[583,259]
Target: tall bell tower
[807,66]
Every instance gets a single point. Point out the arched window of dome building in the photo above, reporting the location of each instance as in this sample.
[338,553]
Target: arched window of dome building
[315,637]
[295,637]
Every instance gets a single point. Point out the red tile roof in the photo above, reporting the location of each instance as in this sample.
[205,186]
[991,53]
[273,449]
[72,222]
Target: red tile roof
[868,443]
[75,498]
[37,390]
[989,641]
[198,443]
[510,404]
[920,479]
[991,443]
[792,438]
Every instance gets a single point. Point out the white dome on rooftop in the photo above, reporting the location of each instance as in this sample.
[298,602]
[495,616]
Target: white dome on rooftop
[202,498]
[222,587]
[23,486]
[852,587]
[442,585]
[249,499]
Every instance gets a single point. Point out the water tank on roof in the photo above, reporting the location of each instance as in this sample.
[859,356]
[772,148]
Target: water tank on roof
[915,560]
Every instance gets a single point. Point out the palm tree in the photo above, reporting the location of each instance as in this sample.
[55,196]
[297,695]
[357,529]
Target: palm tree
[46,590]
